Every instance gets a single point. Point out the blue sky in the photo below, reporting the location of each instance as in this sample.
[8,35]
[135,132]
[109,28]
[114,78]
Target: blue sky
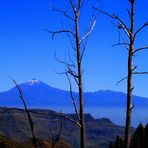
[27,50]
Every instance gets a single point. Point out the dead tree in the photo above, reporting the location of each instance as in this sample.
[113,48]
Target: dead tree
[74,69]
[131,35]
[56,139]
[34,140]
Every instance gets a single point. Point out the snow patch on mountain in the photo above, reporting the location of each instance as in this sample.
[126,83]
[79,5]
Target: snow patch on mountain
[33,82]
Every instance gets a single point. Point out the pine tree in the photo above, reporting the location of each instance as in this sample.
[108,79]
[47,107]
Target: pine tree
[138,140]
[146,136]
[138,137]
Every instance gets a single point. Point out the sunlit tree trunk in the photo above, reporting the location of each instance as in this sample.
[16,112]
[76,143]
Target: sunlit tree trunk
[129,81]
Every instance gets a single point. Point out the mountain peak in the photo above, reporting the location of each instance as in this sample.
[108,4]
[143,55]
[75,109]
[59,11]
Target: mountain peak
[33,81]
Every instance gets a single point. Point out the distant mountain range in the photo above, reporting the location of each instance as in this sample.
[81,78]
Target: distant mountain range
[40,95]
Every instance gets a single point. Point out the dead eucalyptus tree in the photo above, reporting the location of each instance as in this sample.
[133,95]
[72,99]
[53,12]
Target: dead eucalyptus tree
[74,68]
[128,41]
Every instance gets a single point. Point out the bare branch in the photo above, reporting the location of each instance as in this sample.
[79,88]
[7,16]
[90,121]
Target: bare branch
[28,114]
[89,32]
[121,80]
[124,43]
[140,29]
[64,13]
[56,140]
[63,62]
[127,45]
[129,13]
[61,31]
[69,70]
[118,31]
[70,59]
[73,99]
[130,1]
[126,30]
[83,49]
[122,24]
[132,107]
[74,78]
[61,126]
[73,73]
[71,42]
[63,116]
[79,4]
[119,44]
[73,7]
[139,49]
[133,88]
[134,68]
[140,73]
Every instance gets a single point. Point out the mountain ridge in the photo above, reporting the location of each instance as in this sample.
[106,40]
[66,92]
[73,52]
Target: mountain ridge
[39,94]
[99,103]
[36,81]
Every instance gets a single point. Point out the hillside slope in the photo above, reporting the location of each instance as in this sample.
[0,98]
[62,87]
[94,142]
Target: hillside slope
[14,124]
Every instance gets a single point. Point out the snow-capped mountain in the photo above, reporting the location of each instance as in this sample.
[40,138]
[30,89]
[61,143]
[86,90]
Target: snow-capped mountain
[40,95]
[33,82]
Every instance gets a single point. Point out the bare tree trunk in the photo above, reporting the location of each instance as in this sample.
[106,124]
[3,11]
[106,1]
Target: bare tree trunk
[74,69]
[131,35]
[81,101]
[129,81]
[129,102]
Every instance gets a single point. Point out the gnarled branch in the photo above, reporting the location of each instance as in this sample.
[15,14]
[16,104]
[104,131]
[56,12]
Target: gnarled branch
[122,24]
[61,31]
